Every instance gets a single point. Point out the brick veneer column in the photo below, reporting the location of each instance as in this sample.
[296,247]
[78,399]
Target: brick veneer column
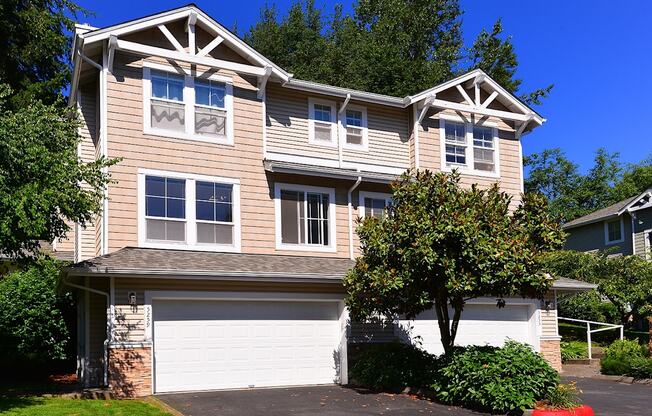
[130,371]
[551,351]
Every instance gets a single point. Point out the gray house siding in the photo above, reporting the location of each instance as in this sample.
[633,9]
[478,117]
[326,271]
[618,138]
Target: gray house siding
[642,226]
[590,237]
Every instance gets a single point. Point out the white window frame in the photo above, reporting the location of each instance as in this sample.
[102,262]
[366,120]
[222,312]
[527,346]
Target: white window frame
[364,146]
[468,168]
[311,123]
[332,207]
[188,103]
[191,221]
[607,242]
[375,195]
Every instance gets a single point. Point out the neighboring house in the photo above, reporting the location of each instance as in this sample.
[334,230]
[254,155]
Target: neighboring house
[217,261]
[623,228]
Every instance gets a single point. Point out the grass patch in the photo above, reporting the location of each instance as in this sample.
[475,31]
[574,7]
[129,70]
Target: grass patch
[58,406]
[573,332]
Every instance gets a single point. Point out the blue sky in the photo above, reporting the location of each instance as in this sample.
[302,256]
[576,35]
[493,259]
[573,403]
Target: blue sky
[597,55]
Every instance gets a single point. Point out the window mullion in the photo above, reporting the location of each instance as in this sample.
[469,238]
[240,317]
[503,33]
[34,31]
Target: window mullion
[189,101]
[191,214]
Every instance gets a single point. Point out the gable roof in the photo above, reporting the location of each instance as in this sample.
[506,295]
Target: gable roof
[208,23]
[612,211]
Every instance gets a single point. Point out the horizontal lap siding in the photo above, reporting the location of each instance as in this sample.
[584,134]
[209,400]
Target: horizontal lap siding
[89,135]
[243,160]
[130,320]
[510,161]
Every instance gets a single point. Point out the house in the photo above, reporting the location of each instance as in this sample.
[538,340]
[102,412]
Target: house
[623,228]
[218,258]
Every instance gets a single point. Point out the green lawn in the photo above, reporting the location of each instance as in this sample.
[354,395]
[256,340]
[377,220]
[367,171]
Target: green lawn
[56,406]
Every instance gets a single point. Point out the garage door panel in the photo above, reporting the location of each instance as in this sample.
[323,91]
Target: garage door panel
[481,324]
[210,345]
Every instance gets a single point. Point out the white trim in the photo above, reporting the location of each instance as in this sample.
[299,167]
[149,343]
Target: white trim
[364,146]
[520,162]
[606,232]
[375,195]
[647,235]
[188,103]
[180,70]
[468,168]
[630,207]
[332,208]
[333,163]
[415,132]
[311,122]
[212,45]
[191,237]
[170,37]
[104,73]
[111,317]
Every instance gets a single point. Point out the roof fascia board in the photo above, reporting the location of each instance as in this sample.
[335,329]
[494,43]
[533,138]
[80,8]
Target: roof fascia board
[357,95]
[593,221]
[332,175]
[629,206]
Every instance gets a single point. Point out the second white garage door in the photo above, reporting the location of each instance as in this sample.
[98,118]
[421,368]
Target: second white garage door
[203,345]
[481,324]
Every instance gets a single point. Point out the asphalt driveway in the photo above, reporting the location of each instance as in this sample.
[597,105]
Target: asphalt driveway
[611,398]
[318,400]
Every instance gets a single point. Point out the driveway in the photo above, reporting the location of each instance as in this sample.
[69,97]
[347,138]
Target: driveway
[322,400]
[610,398]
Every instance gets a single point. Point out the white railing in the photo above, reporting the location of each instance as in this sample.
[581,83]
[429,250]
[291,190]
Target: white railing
[590,331]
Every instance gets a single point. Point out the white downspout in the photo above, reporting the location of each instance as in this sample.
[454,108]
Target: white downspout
[340,129]
[109,320]
[632,215]
[349,196]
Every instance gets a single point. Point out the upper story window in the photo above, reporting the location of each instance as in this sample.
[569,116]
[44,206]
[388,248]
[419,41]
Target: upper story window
[304,218]
[321,123]
[188,211]
[469,147]
[373,204]
[355,127]
[613,231]
[187,107]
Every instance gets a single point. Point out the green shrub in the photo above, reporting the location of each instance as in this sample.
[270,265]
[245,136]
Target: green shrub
[573,350]
[494,379]
[393,366]
[640,368]
[588,306]
[614,366]
[563,396]
[624,349]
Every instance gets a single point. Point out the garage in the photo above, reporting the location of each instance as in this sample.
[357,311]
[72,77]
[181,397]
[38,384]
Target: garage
[481,324]
[202,344]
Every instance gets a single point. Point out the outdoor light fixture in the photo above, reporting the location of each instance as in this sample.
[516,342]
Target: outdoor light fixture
[132,298]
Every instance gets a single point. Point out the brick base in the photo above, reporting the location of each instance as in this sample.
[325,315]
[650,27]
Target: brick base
[130,371]
[551,351]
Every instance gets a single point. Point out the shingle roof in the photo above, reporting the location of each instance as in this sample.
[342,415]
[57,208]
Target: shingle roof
[610,211]
[148,261]
[323,171]
[204,264]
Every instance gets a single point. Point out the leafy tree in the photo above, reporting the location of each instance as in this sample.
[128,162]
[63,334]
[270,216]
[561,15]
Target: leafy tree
[42,181]
[32,316]
[570,193]
[440,245]
[636,178]
[392,47]
[35,47]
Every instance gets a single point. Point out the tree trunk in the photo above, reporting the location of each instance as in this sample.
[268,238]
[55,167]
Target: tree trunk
[443,320]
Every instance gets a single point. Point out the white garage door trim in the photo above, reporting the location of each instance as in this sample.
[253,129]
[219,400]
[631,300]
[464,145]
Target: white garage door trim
[152,295]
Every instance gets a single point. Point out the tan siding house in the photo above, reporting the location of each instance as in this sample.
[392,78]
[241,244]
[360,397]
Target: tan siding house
[230,221]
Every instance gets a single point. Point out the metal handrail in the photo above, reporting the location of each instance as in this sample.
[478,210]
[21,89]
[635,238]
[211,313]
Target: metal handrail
[590,331]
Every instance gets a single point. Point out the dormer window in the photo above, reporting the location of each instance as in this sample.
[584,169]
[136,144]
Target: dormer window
[321,122]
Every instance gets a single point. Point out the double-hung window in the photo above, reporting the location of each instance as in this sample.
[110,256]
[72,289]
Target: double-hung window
[613,231]
[373,204]
[304,218]
[165,209]
[167,106]
[321,122]
[355,127]
[469,147]
[183,106]
[188,211]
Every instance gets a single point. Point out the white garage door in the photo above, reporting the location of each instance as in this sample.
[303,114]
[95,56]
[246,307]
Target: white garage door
[481,324]
[203,345]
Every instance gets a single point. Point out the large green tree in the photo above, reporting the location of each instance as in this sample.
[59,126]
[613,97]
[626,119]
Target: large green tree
[440,245]
[392,47]
[35,48]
